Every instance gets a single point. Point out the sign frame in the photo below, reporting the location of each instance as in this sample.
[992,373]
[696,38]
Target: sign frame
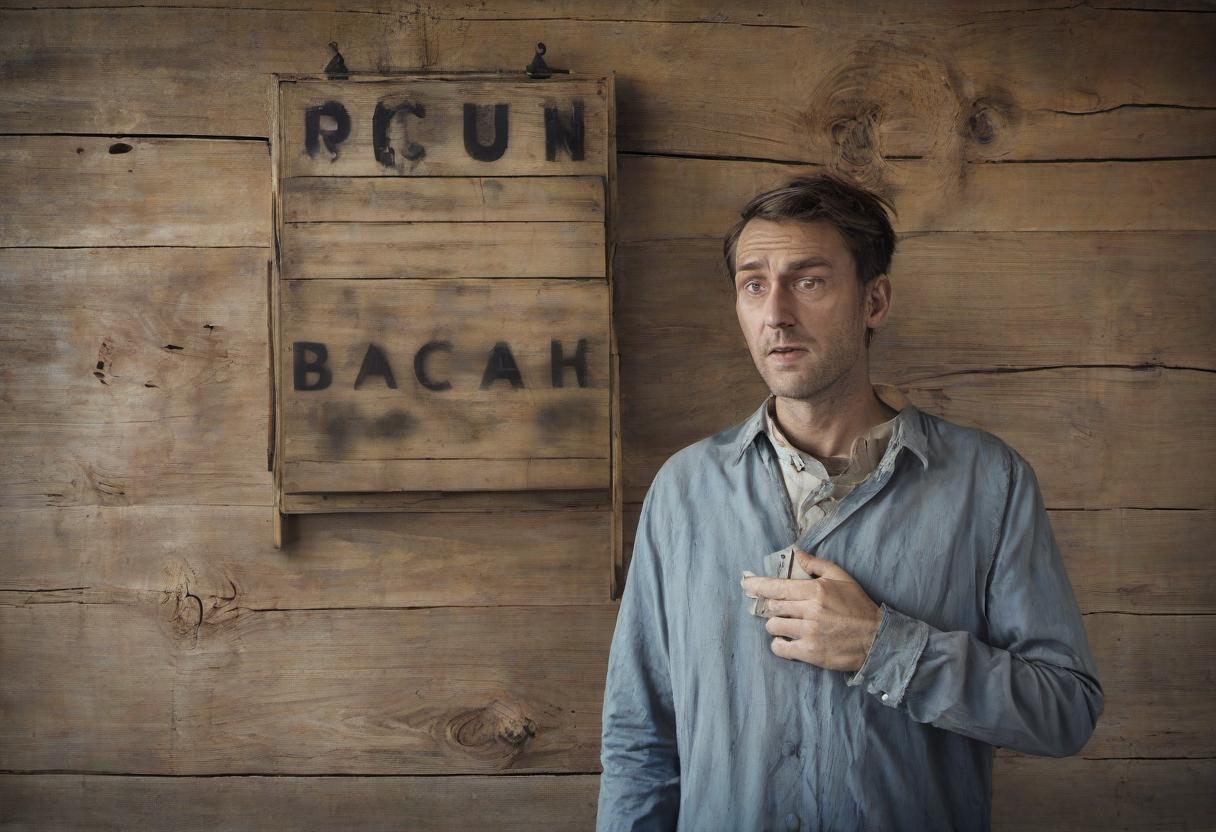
[290,500]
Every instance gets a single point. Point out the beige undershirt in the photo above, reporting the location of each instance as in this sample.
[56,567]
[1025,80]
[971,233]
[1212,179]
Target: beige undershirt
[815,487]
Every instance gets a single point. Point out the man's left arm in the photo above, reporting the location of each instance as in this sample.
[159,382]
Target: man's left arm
[1031,686]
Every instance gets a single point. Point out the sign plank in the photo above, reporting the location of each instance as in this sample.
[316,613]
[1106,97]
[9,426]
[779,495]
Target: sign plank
[389,378]
[442,249]
[450,125]
[444,199]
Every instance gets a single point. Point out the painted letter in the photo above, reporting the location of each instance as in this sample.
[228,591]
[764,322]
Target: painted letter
[332,137]
[420,365]
[477,150]
[578,361]
[302,366]
[501,365]
[381,120]
[560,132]
[375,363]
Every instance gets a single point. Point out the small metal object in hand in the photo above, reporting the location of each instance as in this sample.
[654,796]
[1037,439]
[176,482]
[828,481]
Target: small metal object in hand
[778,564]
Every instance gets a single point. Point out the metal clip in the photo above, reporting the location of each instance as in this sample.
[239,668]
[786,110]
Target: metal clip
[538,68]
[336,69]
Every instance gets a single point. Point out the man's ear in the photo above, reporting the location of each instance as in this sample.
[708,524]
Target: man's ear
[877,293]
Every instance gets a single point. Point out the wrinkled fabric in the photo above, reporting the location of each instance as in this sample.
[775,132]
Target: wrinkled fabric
[980,644]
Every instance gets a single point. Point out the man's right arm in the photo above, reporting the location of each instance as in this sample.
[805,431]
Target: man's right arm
[640,786]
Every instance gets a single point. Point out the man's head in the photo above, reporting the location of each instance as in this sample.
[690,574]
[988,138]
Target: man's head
[809,262]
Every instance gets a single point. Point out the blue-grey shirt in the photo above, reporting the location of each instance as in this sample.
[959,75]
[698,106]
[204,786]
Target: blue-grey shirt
[981,644]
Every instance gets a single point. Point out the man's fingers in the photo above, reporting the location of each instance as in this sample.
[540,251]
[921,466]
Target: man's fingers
[819,567]
[792,627]
[774,588]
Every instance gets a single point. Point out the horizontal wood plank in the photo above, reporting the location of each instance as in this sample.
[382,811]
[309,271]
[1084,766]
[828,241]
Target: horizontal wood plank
[134,376]
[1028,794]
[1034,794]
[671,199]
[1141,561]
[428,137]
[1083,429]
[225,555]
[208,71]
[89,191]
[361,251]
[444,199]
[302,804]
[1152,708]
[444,501]
[194,689]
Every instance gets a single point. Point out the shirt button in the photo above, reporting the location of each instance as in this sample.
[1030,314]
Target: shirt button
[884,697]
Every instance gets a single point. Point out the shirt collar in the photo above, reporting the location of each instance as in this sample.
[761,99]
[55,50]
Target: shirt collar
[909,429]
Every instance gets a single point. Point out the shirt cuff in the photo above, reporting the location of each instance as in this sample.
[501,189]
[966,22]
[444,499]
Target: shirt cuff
[893,656]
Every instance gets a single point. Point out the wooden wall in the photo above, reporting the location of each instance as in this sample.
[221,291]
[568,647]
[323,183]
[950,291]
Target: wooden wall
[163,666]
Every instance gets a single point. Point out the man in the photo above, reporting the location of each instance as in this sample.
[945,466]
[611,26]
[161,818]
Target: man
[865,686]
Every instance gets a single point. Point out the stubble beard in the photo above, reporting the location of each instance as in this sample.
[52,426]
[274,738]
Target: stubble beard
[811,378]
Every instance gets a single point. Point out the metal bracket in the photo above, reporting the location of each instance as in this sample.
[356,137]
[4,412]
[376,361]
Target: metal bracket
[538,68]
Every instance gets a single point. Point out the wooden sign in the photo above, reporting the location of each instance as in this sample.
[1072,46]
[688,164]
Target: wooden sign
[443,327]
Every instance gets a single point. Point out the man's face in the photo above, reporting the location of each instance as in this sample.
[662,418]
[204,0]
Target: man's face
[796,286]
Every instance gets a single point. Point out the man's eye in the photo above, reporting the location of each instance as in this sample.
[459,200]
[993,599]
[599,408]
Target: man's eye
[811,280]
[747,286]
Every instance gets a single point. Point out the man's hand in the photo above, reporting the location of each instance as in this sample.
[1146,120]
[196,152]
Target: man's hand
[830,618]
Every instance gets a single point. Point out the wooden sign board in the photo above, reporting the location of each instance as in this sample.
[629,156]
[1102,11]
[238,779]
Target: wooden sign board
[443,296]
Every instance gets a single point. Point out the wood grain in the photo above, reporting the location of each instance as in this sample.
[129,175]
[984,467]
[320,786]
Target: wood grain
[528,473]
[89,191]
[156,682]
[133,376]
[444,199]
[855,83]
[225,555]
[363,251]
[858,85]
[1033,794]
[1028,794]
[476,803]
[206,72]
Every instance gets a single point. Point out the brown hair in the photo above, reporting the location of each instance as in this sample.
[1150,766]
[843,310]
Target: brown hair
[857,213]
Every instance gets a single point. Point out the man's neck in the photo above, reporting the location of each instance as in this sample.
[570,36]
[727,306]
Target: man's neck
[827,425]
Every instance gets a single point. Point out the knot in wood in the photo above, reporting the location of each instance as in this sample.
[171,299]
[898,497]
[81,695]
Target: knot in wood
[855,138]
[497,730]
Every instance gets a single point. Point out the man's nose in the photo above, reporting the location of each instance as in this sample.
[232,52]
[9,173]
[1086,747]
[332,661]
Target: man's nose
[778,307]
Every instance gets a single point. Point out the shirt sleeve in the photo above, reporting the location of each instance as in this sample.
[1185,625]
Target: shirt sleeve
[1032,686]
[640,784]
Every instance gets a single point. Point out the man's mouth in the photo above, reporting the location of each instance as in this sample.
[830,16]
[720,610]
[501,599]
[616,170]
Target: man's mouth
[787,349]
